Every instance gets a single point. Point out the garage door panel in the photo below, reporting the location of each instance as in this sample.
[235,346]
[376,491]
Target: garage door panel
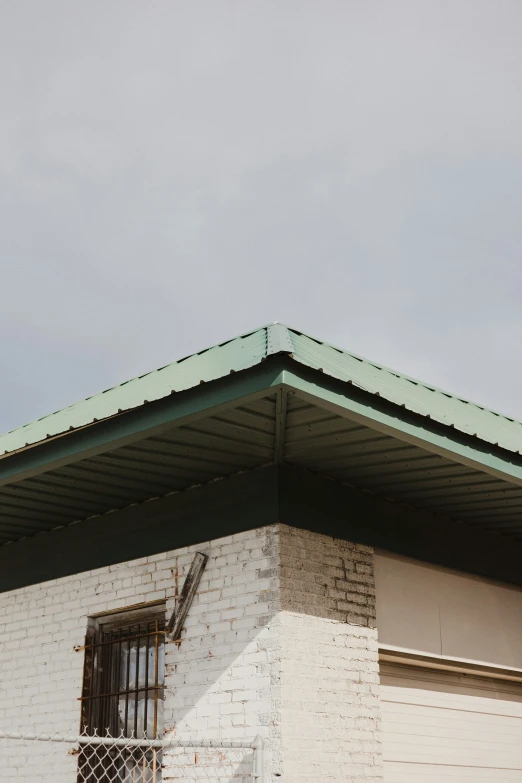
[462,756]
[457,702]
[436,683]
[479,702]
[428,773]
[470,702]
[443,726]
[397,724]
[454,720]
[484,744]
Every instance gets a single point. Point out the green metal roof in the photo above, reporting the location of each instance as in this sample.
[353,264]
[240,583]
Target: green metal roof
[208,365]
[248,350]
[274,395]
[415,396]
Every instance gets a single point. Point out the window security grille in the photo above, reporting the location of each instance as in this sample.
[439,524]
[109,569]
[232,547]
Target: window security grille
[123,684]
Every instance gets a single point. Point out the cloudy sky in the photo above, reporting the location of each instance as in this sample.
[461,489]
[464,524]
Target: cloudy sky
[175,173]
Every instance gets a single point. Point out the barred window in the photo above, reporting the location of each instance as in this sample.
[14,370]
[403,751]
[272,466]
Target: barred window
[124,675]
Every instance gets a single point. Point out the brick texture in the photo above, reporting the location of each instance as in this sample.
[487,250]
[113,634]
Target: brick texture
[330,711]
[280,641]
[221,681]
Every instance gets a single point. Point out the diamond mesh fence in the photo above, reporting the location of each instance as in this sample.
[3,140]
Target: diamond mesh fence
[31,758]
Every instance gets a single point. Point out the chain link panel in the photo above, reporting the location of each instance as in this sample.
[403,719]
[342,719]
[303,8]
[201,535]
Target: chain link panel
[31,758]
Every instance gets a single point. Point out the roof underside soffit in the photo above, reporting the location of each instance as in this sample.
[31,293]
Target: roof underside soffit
[281,426]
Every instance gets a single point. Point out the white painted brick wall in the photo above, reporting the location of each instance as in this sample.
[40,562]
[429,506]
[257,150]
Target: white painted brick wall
[223,679]
[280,641]
[330,709]
[219,680]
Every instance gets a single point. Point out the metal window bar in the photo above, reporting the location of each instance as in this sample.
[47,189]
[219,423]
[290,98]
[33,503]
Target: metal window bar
[123,682]
[31,757]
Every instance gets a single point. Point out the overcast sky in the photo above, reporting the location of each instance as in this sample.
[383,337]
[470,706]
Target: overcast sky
[175,173]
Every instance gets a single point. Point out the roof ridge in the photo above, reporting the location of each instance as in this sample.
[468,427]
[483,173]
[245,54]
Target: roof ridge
[278,339]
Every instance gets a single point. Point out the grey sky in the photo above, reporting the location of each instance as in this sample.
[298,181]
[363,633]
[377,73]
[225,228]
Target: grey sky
[175,173]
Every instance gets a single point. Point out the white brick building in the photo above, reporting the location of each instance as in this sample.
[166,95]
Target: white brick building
[360,608]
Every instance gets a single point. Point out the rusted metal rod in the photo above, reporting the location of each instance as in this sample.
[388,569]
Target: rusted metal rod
[175,624]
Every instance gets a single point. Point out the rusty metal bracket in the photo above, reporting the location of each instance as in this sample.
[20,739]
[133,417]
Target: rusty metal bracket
[175,624]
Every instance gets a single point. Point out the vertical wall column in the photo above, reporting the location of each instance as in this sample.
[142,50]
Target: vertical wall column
[330,708]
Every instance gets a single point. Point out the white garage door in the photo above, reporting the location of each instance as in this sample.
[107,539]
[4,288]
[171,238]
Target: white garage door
[442,727]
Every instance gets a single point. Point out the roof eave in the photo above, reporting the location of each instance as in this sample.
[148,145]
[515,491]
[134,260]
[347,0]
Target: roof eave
[373,411]
[143,421]
[278,370]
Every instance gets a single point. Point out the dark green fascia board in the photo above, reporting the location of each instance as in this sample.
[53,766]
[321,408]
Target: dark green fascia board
[360,406]
[147,420]
[221,508]
[277,493]
[278,372]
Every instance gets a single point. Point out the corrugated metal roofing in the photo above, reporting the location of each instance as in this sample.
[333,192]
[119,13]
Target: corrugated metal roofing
[208,365]
[415,396]
[248,350]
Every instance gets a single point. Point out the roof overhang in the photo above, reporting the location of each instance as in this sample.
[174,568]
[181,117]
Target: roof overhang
[277,411]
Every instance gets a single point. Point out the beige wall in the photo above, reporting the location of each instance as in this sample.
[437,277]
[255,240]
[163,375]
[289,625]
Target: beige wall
[434,610]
